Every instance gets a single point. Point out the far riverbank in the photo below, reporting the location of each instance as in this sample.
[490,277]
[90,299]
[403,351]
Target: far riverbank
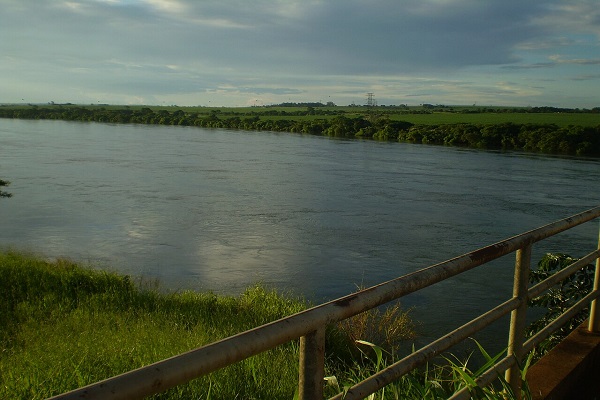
[544,130]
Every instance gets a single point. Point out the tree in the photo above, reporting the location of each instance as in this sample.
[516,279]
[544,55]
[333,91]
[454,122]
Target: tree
[4,194]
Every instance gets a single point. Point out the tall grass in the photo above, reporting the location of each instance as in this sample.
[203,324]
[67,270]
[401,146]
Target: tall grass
[389,328]
[439,381]
[63,326]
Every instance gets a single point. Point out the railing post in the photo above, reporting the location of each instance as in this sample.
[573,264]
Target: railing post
[517,318]
[594,322]
[312,365]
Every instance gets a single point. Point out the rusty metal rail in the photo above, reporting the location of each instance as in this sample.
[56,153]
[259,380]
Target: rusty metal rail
[310,326]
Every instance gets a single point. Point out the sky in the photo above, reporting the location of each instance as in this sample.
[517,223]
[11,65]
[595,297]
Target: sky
[261,52]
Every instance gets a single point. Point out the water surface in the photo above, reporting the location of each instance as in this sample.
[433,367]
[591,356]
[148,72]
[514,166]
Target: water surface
[219,210]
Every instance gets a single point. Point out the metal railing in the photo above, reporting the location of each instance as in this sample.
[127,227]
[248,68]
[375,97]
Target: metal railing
[310,327]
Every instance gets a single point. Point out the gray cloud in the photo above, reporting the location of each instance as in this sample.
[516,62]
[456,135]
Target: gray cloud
[529,66]
[386,36]
[342,37]
[283,48]
[589,77]
[577,61]
[261,90]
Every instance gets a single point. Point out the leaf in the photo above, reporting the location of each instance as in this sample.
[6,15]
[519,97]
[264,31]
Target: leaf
[332,381]
[378,352]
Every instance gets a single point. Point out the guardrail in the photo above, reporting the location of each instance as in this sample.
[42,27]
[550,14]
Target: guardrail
[310,326]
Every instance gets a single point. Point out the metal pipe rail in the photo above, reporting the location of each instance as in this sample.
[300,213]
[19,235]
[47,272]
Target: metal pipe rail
[310,326]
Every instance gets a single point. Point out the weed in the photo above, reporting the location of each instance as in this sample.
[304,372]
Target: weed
[439,381]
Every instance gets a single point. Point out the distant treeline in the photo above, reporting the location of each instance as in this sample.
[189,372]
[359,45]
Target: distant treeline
[530,110]
[546,138]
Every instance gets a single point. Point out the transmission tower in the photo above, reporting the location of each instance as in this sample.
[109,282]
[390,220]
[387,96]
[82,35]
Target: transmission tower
[370,100]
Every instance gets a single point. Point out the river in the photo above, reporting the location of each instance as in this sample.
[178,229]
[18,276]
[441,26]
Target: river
[220,210]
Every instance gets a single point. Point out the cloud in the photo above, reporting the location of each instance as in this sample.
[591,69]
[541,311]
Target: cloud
[529,66]
[589,77]
[263,90]
[312,48]
[546,43]
[387,37]
[167,6]
[577,61]
[335,37]
[554,61]
[575,17]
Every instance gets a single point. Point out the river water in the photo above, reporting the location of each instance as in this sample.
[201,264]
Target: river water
[220,210]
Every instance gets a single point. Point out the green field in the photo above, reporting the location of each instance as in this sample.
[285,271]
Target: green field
[443,118]
[415,115]
[562,120]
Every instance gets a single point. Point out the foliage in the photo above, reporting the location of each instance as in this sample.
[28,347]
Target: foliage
[545,138]
[390,327]
[439,381]
[4,183]
[63,326]
[561,297]
[547,130]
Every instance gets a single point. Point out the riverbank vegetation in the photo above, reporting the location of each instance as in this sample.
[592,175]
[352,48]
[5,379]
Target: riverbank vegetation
[4,183]
[539,129]
[559,298]
[63,326]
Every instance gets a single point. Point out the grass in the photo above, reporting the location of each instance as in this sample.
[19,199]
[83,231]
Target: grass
[560,119]
[484,118]
[431,382]
[414,114]
[63,326]
[389,327]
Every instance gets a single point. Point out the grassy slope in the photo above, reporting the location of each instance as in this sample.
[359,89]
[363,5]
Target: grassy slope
[62,326]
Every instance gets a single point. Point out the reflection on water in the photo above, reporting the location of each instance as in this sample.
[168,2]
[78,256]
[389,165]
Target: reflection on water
[219,210]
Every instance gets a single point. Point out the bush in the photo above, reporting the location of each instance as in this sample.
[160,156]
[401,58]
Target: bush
[560,298]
